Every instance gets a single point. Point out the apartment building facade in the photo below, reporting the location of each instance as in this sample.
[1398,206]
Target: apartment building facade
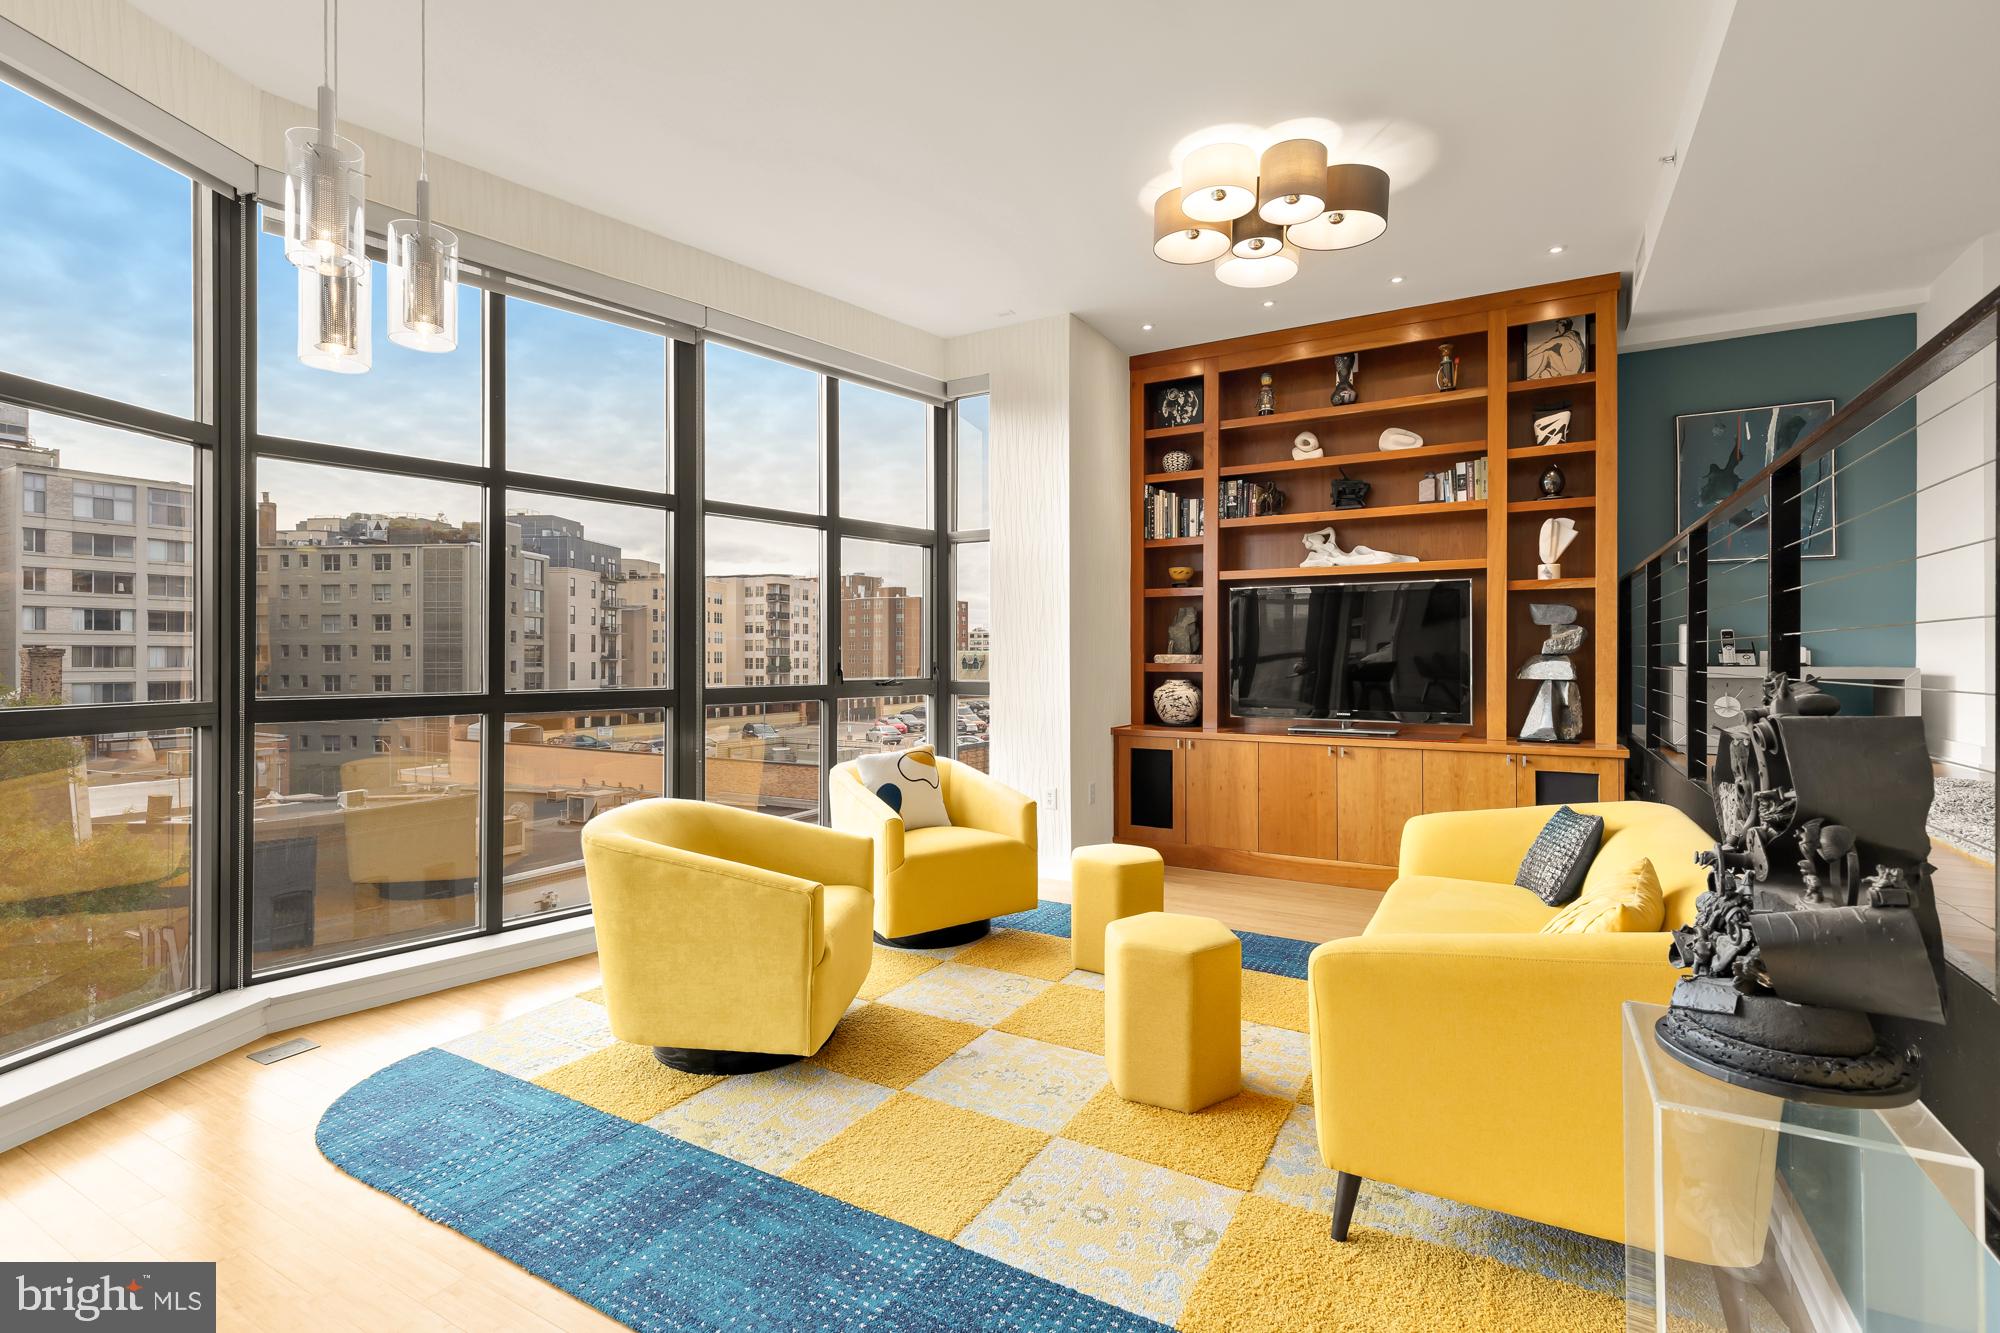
[761,629]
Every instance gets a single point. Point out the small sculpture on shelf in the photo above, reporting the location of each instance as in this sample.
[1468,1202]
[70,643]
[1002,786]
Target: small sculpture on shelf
[1556,347]
[1177,702]
[1305,445]
[1177,460]
[1348,493]
[1180,405]
[1181,576]
[1323,552]
[1396,438]
[1184,633]
[1552,481]
[1797,944]
[1557,711]
[1345,366]
[1552,426]
[1556,536]
[1267,399]
[1447,374]
[1798,698]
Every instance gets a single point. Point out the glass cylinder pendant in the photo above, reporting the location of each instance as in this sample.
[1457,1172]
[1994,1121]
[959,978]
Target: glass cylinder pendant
[325,194]
[423,286]
[334,331]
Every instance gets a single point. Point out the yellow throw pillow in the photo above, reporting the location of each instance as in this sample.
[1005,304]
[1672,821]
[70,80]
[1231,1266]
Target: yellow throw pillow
[1631,901]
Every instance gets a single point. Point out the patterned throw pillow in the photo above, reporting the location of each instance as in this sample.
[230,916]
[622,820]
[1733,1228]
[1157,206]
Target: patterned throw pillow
[1555,866]
[907,781]
[1631,901]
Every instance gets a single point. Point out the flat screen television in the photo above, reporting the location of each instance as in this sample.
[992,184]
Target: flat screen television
[1376,652]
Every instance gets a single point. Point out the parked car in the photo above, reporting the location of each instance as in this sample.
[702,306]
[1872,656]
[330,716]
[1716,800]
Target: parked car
[760,731]
[584,741]
[910,721]
[895,724]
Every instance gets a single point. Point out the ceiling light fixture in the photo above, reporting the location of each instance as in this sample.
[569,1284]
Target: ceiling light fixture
[1397,279]
[1282,265]
[1179,239]
[1555,249]
[1357,210]
[1145,328]
[1269,304]
[334,331]
[1291,181]
[1251,216]
[325,186]
[423,257]
[1219,182]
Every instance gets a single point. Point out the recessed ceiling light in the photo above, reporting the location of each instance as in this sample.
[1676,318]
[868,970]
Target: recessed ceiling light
[1555,249]
[1145,328]
[1269,304]
[1398,278]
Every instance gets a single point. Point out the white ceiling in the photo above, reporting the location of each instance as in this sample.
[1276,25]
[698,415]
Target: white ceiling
[961,166]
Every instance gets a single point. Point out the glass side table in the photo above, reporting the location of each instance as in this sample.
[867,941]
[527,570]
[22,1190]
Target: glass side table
[1746,1212]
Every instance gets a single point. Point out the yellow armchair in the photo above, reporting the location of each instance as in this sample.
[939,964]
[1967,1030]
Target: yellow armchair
[941,886]
[1458,1051]
[729,941]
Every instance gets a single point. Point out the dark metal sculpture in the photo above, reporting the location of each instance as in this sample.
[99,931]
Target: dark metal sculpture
[1819,911]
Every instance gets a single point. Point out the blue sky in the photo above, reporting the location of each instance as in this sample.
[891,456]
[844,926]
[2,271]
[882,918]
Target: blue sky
[96,293]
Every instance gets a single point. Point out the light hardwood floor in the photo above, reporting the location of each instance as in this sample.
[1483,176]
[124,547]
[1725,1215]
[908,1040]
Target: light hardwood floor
[219,1163]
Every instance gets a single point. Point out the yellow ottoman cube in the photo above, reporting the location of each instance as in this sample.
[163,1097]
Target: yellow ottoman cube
[1173,1010]
[1107,882]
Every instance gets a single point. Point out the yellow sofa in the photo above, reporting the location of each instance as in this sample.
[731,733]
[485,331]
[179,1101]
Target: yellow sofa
[940,886]
[729,941]
[1458,1051]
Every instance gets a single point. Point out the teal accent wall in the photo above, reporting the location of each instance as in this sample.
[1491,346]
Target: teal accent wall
[1869,593]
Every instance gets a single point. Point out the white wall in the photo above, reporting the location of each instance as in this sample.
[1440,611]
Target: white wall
[1057,469]
[1100,564]
[1955,525]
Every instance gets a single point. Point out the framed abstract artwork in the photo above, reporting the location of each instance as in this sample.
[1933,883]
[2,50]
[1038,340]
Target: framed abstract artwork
[1716,452]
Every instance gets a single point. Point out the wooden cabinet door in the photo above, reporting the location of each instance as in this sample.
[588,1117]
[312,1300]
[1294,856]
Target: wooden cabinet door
[1222,794]
[1151,790]
[1468,781]
[1295,800]
[1555,780]
[1376,789]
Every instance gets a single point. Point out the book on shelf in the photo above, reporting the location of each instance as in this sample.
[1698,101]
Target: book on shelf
[1170,515]
[1455,484]
[1242,498]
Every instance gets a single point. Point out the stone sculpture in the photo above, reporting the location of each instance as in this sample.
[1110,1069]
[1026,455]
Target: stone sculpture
[1557,711]
[1552,427]
[1397,438]
[1794,948]
[1306,445]
[1557,534]
[1323,551]
[1345,366]
[1184,632]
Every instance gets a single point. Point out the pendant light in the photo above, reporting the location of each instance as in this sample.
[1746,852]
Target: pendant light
[334,329]
[1291,181]
[1281,265]
[423,257]
[325,184]
[1357,210]
[1219,182]
[1179,239]
[1250,237]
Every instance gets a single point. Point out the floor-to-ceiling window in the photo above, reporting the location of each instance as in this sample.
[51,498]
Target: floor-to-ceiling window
[820,577]
[420,623]
[968,668]
[107,711]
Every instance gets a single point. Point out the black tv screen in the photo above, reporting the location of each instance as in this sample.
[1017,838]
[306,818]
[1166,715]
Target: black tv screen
[1379,652]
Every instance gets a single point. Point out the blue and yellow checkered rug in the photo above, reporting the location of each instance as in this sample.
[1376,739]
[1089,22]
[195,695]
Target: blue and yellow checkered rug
[952,1158]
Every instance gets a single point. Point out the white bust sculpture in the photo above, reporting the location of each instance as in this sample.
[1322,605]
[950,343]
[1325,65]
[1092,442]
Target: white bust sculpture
[1323,551]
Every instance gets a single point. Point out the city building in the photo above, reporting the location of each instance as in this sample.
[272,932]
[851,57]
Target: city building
[761,629]
[98,567]
[643,625]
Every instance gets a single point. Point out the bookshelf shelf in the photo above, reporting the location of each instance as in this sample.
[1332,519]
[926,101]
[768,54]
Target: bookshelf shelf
[1408,403]
[1553,382]
[1357,571]
[1437,509]
[1359,458]
[1165,478]
[1551,585]
[1173,592]
[1174,432]
[1553,505]
[1160,543]
[1530,452]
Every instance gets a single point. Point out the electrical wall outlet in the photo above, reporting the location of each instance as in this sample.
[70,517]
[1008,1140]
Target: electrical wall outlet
[1049,798]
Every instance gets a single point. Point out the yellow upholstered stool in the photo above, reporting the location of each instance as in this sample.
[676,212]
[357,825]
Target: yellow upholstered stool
[1173,1010]
[1107,882]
